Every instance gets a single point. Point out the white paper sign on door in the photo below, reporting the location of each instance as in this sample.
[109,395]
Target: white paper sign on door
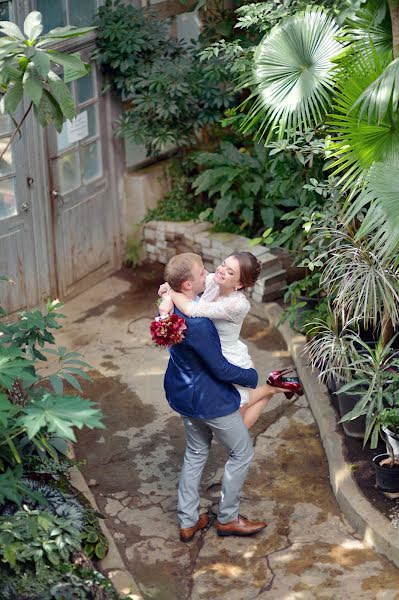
[77,129]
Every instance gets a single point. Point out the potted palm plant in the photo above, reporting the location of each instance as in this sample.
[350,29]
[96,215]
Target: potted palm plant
[375,384]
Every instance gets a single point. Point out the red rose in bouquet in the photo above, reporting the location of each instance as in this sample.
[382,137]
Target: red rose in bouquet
[169,331]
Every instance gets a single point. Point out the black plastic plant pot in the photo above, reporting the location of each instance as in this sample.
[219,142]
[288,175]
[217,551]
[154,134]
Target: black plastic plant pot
[356,427]
[387,478]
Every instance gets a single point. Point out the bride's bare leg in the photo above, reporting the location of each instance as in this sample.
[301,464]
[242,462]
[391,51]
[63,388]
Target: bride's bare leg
[258,399]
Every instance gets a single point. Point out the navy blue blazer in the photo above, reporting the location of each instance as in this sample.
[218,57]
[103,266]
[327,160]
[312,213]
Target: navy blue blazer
[198,380]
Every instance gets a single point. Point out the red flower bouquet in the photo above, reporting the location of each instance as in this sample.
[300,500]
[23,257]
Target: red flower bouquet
[169,331]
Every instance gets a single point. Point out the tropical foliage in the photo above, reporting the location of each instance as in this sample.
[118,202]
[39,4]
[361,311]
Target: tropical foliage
[349,77]
[32,415]
[43,522]
[293,76]
[310,72]
[32,536]
[248,183]
[169,96]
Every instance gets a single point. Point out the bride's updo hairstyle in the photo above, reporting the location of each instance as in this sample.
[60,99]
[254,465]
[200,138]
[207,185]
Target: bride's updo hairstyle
[250,268]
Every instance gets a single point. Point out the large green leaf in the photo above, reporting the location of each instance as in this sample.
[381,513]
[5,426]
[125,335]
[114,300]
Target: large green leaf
[12,97]
[32,84]
[59,414]
[293,74]
[11,29]
[69,61]
[8,49]
[208,180]
[6,410]
[33,25]
[9,73]
[60,33]
[49,111]
[225,205]
[62,94]
[13,366]
[41,61]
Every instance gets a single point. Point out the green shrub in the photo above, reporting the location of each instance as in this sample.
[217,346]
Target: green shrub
[177,205]
[171,95]
[65,582]
[35,537]
[36,417]
[248,184]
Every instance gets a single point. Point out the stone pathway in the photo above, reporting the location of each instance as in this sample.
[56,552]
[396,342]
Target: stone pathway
[307,551]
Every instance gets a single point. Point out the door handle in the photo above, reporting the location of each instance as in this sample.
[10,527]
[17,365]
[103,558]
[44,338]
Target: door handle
[25,206]
[57,196]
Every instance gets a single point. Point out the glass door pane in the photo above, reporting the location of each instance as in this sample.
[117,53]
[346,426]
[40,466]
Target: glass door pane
[5,12]
[82,14]
[77,154]
[68,172]
[8,201]
[91,162]
[54,13]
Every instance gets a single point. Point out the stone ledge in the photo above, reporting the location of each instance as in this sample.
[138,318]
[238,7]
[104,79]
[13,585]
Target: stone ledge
[367,522]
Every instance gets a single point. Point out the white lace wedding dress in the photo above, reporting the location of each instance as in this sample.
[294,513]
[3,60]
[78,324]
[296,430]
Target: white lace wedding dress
[228,314]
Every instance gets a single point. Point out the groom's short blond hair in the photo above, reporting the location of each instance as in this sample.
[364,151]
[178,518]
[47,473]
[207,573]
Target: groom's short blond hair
[179,269]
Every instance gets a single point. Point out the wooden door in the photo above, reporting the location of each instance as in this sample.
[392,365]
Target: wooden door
[81,191]
[17,246]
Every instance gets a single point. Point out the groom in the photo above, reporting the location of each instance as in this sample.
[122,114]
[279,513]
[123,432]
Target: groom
[198,385]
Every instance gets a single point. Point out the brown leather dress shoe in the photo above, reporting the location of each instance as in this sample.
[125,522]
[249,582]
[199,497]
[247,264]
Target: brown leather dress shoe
[241,526]
[187,533]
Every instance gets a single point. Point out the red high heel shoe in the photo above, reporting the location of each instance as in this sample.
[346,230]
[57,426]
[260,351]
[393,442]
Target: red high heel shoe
[291,384]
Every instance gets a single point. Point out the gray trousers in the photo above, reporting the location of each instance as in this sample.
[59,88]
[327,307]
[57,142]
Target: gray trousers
[232,433]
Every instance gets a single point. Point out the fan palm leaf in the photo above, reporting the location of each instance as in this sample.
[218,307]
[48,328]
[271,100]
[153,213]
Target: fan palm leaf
[378,202]
[360,140]
[381,95]
[372,23]
[293,74]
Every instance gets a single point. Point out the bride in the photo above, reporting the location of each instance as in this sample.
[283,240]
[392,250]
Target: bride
[225,303]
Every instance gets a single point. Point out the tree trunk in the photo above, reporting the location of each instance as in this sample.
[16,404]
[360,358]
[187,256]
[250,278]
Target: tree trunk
[394,10]
[386,330]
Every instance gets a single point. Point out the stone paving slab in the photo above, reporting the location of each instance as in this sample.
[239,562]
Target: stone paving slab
[308,551]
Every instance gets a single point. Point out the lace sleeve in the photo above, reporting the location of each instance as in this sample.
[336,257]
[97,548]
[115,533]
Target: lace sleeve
[231,308]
